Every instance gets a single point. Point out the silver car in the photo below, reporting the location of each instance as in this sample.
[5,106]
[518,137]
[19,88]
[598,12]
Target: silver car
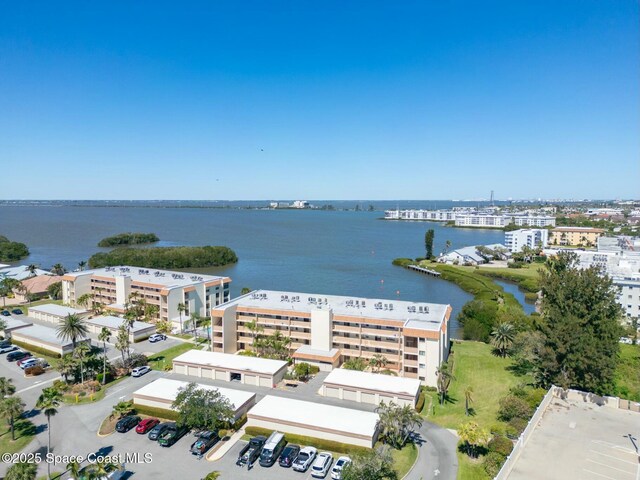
[139,371]
[321,466]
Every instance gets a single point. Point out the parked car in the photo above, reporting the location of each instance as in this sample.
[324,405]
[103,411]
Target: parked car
[289,455]
[27,362]
[8,348]
[43,363]
[251,451]
[205,441]
[304,459]
[321,466]
[172,434]
[127,423]
[17,355]
[157,337]
[139,371]
[16,311]
[147,424]
[336,471]
[5,313]
[5,343]
[157,430]
[272,449]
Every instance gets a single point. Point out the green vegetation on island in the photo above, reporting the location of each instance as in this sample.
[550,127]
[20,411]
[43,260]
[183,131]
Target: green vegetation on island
[165,257]
[12,251]
[128,239]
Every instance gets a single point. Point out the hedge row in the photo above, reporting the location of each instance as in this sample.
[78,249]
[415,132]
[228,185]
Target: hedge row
[319,443]
[33,349]
[157,412]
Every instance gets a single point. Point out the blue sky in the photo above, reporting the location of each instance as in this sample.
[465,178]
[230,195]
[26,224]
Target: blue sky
[339,100]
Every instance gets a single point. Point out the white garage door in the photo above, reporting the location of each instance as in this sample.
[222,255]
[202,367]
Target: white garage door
[266,382]
[250,379]
[206,373]
[350,395]
[387,399]
[192,371]
[331,392]
[368,398]
[180,369]
[221,375]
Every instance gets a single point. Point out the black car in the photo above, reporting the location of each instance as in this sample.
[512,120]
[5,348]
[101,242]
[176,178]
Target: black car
[251,451]
[289,455]
[127,423]
[5,313]
[172,434]
[16,311]
[156,431]
[5,343]
[17,355]
[205,441]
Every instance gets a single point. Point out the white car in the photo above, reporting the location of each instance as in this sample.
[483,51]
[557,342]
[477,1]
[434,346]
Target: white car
[139,371]
[321,466]
[156,337]
[336,471]
[304,459]
[8,348]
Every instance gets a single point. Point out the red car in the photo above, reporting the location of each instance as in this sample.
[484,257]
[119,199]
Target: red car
[28,356]
[147,424]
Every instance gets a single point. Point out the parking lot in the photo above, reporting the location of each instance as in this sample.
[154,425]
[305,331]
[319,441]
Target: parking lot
[581,440]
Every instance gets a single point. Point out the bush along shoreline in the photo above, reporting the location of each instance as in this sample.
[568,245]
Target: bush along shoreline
[12,251]
[128,239]
[165,257]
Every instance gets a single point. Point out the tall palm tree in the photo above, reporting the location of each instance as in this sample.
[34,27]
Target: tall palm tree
[81,352]
[73,467]
[194,318]
[468,398]
[58,269]
[256,329]
[502,337]
[104,336]
[82,264]
[447,246]
[72,327]
[32,269]
[10,409]
[7,387]
[84,300]
[22,471]
[181,309]
[48,402]
[444,378]
[122,341]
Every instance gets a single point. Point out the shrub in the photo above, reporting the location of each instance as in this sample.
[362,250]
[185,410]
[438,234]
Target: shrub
[497,429]
[515,264]
[430,389]
[314,369]
[157,412]
[319,443]
[518,424]
[420,402]
[135,360]
[403,262]
[60,385]
[501,445]
[34,371]
[222,433]
[535,396]
[240,422]
[493,463]
[513,407]
[99,377]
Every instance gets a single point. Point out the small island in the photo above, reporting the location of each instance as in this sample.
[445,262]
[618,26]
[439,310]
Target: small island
[12,251]
[128,239]
[165,257]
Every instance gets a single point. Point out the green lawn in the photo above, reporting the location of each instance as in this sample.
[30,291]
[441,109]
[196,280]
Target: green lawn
[487,374]
[469,469]
[527,277]
[628,373]
[161,359]
[25,431]
[404,459]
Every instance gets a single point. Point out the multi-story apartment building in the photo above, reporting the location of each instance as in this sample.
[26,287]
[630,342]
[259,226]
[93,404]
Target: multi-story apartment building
[515,240]
[328,329]
[526,220]
[575,236]
[112,287]
[481,220]
[433,215]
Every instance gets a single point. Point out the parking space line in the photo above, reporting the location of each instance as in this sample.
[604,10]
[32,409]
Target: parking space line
[615,458]
[38,384]
[609,466]
[599,474]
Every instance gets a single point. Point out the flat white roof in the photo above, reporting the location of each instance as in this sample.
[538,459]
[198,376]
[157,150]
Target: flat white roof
[45,334]
[13,322]
[307,350]
[374,381]
[167,389]
[316,415]
[57,310]
[232,362]
[113,322]
[167,278]
[428,316]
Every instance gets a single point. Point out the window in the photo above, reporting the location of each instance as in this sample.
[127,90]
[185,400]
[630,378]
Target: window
[422,353]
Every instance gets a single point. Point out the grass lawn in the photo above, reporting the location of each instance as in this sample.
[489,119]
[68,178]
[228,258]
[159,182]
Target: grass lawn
[469,469]
[161,359]
[527,277]
[24,430]
[404,459]
[487,374]
[628,373]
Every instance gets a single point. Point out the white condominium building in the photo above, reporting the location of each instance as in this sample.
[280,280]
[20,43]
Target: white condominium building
[481,220]
[433,215]
[532,238]
[112,287]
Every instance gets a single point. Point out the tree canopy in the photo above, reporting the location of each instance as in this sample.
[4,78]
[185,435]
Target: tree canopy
[165,257]
[202,408]
[12,251]
[128,239]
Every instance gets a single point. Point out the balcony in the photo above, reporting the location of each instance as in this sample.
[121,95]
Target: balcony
[411,350]
[381,344]
[344,328]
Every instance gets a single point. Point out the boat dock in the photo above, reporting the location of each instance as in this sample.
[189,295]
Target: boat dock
[424,270]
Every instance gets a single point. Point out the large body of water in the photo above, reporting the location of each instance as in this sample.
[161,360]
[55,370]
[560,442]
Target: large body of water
[333,252]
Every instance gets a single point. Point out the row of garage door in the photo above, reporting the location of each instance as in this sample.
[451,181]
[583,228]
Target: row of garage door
[370,398]
[203,372]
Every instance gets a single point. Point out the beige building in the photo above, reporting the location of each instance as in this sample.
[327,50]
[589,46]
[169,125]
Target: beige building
[329,329]
[112,287]
[583,236]
[54,313]
[138,331]
[44,337]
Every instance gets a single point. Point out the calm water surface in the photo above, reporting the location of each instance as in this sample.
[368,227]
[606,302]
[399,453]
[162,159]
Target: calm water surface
[332,252]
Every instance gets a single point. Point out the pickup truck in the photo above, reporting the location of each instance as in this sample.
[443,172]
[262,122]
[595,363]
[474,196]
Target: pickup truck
[251,451]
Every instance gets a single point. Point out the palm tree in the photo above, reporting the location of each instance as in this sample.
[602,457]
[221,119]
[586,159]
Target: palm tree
[7,387]
[181,309]
[82,264]
[194,318]
[447,246]
[22,471]
[468,398]
[104,336]
[73,467]
[10,409]
[32,269]
[121,409]
[7,285]
[255,328]
[378,362]
[58,269]
[84,300]
[66,365]
[502,337]
[150,312]
[445,376]
[72,327]
[81,352]
[49,401]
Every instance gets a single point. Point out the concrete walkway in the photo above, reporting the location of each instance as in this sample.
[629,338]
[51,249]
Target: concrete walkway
[226,446]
